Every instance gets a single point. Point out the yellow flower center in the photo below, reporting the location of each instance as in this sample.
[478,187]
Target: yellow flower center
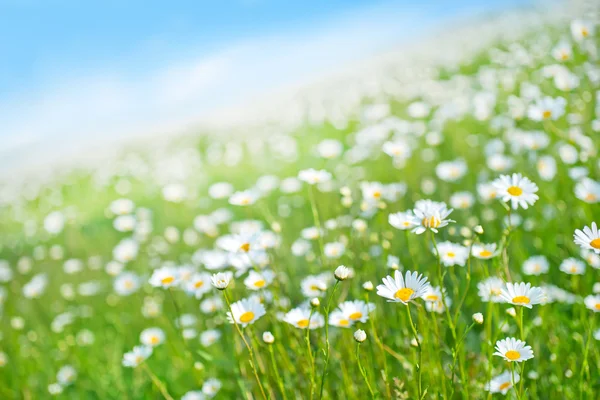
[505,385]
[564,56]
[198,284]
[154,339]
[512,355]
[128,284]
[547,114]
[355,315]
[167,280]
[595,243]
[303,323]
[590,197]
[404,294]
[344,322]
[495,291]
[584,32]
[245,247]
[521,300]
[377,194]
[247,317]
[515,191]
[432,297]
[485,253]
[315,287]
[450,254]
[260,283]
[245,201]
[431,222]
[406,223]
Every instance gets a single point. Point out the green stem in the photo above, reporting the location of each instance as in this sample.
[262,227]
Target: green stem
[363,372]
[416,335]
[327,346]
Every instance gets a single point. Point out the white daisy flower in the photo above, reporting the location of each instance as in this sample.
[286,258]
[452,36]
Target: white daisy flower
[572,266]
[138,355]
[337,318]
[152,337]
[221,280]
[582,29]
[522,294]
[452,254]
[210,337]
[403,220]
[403,289]
[244,198]
[334,250]
[451,171]
[502,383]
[588,238]
[536,265]
[313,176]
[592,302]
[126,283]
[491,290]
[547,108]
[259,280]
[517,189]
[484,251]
[356,310]
[198,284]
[300,317]
[513,350]
[246,311]
[588,190]
[165,277]
[431,215]
[314,286]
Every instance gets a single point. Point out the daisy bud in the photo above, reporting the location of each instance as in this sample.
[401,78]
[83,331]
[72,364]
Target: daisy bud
[345,191]
[268,337]
[368,286]
[478,229]
[360,335]
[315,302]
[512,312]
[221,280]
[346,201]
[596,287]
[478,318]
[342,273]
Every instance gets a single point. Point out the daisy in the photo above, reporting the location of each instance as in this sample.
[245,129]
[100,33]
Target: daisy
[403,220]
[502,383]
[581,29]
[314,286]
[452,254]
[258,281]
[588,190]
[330,148]
[210,337]
[522,294]
[221,280]
[334,250]
[403,289]
[194,395]
[313,176]
[121,207]
[246,311]
[588,238]
[546,167]
[337,318]
[126,250]
[198,284]
[518,189]
[484,251]
[547,108]
[431,215]
[220,190]
[562,51]
[165,277]
[572,266]
[126,284]
[592,302]
[138,355]
[398,149]
[152,337]
[372,192]
[491,290]
[211,387]
[451,171]
[462,200]
[300,317]
[512,349]
[243,198]
[356,310]
[536,265]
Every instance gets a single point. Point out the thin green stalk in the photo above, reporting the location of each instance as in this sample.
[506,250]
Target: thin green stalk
[416,335]
[250,352]
[310,355]
[327,345]
[277,376]
[157,382]
[363,372]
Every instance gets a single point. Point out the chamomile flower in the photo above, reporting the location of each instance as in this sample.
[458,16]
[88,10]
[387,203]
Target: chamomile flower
[484,251]
[502,383]
[536,265]
[126,283]
[301,317]
[337,318]
[588,238]
[314,286]
[547,108]
[592,302]
[572,266]
[152,337]
[165,277]
[588,190]
[562,51]
[330,148]
[211,387]
[522,294]
[138,355]
[334,250]
[490,290]
[513,350]
[313,176]
[198,284]
[356,310]
[246,311]
[259,280]
[403,220]
[431,215]
[221,280]
[582,29]
[451,171]
[517,189]
[210,337]
[244,198]
[452,254]
[403,289]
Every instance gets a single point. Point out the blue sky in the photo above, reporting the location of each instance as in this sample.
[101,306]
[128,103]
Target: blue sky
[75,69]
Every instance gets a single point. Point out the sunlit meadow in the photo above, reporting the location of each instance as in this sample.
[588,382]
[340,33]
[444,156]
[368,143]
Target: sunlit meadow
[433,236]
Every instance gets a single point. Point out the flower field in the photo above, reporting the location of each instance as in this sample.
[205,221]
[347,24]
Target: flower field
[434,236]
